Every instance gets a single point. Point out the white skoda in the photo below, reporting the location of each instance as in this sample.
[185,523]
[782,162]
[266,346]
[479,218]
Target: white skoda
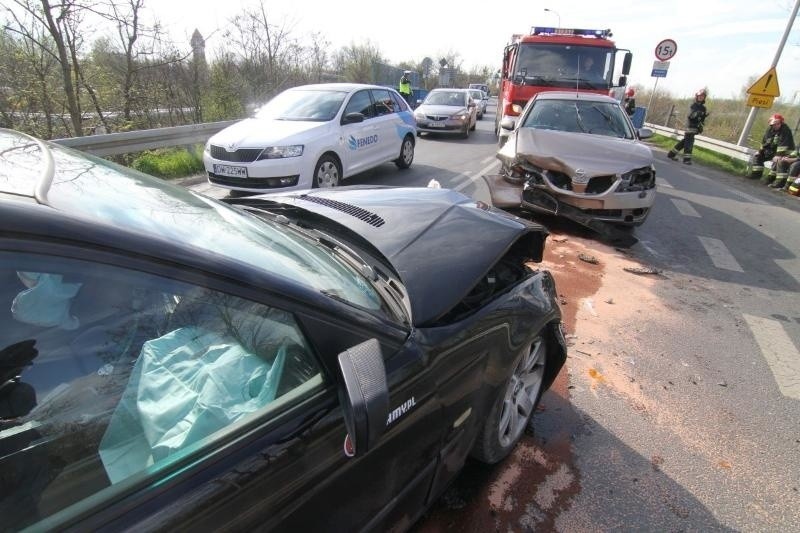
[313,136]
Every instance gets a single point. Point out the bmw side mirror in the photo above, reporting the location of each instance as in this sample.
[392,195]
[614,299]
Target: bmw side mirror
[364,396]
[352,118]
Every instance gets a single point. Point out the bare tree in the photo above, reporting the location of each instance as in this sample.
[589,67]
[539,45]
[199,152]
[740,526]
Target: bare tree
[57,19]
[356,62]
[263,47]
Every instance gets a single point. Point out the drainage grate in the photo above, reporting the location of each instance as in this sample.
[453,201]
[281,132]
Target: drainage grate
[362,214]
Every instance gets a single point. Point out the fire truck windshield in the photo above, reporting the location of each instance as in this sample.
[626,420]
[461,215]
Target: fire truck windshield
[567,66]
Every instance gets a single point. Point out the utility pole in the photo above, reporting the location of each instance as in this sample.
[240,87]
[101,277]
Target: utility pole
[753,110]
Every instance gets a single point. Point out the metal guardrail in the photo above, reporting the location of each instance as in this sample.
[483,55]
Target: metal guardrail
[741,153]
[136,141]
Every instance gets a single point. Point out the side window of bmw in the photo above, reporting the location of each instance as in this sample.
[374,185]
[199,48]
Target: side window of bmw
[360,102]
[109,376]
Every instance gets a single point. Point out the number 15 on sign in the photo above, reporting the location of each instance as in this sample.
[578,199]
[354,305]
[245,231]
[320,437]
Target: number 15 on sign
[666,49]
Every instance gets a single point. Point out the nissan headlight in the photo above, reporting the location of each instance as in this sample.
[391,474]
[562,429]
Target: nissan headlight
[279,152]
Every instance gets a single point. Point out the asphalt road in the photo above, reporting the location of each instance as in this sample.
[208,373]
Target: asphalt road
[679,408]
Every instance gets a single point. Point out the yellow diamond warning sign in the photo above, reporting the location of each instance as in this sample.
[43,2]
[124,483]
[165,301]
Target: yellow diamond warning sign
[767,85]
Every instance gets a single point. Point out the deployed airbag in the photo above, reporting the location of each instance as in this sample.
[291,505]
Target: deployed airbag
[185,386]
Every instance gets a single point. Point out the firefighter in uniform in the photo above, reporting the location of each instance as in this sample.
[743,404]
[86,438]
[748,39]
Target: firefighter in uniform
[629,102]
[405,86]
[784,166]
[776,142]
[695,121]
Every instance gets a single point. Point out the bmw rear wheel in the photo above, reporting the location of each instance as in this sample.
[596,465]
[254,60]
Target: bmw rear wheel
[512,410]
[327,173]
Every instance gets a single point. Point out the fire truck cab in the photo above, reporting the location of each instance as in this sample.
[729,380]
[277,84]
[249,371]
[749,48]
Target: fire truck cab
[557,59]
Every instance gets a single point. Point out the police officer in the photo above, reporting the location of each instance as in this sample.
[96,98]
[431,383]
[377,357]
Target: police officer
[629,102]
[776,142]
[695,121]
[405,86]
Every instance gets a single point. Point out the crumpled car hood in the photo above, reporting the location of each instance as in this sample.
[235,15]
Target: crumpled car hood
[565,152]
[440,242]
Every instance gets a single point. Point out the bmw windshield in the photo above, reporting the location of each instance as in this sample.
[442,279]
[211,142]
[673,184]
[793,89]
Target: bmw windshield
[304,105]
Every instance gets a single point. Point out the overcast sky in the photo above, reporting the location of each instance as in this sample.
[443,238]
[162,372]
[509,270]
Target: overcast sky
[721,43]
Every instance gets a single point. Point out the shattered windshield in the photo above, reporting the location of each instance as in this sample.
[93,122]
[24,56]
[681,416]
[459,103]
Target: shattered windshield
[579,116]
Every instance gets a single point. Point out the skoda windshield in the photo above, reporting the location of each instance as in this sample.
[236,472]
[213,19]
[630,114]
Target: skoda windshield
[303,104]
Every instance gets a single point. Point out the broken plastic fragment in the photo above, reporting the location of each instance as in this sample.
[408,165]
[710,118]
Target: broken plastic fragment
[643,270]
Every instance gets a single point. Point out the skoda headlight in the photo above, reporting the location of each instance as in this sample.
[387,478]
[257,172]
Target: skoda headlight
[461,115]
[278,152]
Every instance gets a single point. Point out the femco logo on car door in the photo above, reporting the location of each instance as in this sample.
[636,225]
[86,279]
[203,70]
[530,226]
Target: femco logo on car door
[361,142]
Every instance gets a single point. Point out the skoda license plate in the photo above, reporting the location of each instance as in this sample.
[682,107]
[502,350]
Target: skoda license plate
[230,171]
[436,125]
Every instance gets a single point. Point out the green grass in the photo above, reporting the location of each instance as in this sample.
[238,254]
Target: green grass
[170,163]
[704,156]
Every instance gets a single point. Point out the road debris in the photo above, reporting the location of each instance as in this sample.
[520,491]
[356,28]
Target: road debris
[586,258]
[610,301]
[642,270]
[588,304]
[723,383]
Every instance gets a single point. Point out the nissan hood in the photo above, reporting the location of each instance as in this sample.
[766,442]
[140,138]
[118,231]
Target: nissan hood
[440,242]
[565,152]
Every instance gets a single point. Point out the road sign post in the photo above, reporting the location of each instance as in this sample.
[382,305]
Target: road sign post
[665,50]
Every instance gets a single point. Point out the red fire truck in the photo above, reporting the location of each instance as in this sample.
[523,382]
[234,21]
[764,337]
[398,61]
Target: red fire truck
[556,59]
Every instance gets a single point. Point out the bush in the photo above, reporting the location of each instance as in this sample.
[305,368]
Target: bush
[170,162]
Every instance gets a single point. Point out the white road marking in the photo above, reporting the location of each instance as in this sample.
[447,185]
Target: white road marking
[661,182]
[746,196]
[474,177]
[719,253]
[490,158]
[779,352]
[698,176]
[685,208]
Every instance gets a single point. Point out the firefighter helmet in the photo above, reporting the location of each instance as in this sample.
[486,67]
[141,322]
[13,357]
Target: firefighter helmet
[777,118]
[701,92]
[629,92]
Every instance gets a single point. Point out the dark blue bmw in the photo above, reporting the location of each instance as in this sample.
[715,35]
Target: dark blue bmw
[315,360]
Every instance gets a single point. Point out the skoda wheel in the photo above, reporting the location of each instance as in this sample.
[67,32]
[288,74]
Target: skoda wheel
[514,406]
[328,172]
[406,153]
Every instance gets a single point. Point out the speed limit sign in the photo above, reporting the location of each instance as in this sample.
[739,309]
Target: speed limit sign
[665,50]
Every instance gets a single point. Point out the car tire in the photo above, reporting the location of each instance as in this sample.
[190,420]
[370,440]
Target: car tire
[327,173]
[465,133]
[406,153]
[474,125]
[514,406]
[480,116]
